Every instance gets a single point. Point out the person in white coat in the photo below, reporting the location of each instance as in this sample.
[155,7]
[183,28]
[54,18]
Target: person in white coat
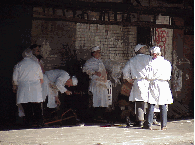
[98,86]
[159,90]
[135,72]
[27,80]
[55,81]
[34,53]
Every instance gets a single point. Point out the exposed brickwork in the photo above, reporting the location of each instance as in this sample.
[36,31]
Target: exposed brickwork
[57,34]
[54,36]
[116,42]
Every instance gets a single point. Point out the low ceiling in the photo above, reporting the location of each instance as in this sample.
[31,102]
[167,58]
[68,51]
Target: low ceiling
[184,11]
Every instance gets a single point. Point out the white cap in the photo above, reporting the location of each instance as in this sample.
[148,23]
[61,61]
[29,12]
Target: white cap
[95,48]
[155,49]
[138,46]
[74,81]
[27,52]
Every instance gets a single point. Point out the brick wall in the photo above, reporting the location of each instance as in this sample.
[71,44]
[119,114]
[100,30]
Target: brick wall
[116,42]
[54,36]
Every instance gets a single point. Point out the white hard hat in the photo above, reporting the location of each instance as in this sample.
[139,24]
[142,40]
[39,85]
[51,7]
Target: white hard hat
[95,48]
[74,81]
[155,49]
[138,46]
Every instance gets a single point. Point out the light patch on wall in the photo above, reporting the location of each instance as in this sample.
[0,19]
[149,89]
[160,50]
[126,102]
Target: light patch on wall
[45,49]
[115,41]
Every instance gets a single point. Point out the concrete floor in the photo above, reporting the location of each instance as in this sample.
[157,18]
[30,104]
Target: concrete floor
[179,132]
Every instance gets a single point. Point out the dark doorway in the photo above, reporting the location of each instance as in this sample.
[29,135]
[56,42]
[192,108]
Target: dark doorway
[144,35]
[15,35]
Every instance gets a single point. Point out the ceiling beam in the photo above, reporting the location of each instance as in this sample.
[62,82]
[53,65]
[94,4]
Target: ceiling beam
[140,24]
[108,6]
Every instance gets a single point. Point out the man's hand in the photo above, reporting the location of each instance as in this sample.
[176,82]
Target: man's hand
[14,88]
[68,93]
[57,100]
[98,73]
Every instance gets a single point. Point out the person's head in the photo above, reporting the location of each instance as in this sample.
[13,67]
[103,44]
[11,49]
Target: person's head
[35,49]
[140,49]
[72,81]
[155,52]
[96,52]
[27,53]
[39,57]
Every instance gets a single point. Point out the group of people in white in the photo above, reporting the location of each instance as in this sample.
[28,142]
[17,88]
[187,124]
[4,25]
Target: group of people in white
[149,75]
[32,85]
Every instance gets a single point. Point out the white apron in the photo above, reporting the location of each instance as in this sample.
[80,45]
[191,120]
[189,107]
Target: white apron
[51,98]
[159,90]
[98,86]
[49,91]
[159,93]
[29,92]
[139,91]
[54,81]
[136,68]
[26,76]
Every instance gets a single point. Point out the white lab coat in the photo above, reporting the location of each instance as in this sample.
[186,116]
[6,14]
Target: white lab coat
[159,90]
[136,68]
[28,53]
[98,85]
[54,81]
[27,74]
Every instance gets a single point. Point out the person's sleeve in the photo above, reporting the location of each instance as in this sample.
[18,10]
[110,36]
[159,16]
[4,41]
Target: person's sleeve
[89,68]
[165,73]
[149,72]
[127,71]
[60,82]
[40,72]
[15,75]
[42,66]
[41,62]
[169,71]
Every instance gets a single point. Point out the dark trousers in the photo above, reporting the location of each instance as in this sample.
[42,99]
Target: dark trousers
[33,113]
[163,114]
